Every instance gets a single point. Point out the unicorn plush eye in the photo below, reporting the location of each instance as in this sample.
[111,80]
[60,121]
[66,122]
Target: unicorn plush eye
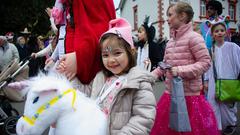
[35,99]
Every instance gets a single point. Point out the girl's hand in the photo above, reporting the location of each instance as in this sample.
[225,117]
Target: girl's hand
[48,11]
[174,71]
[34,55]
[68,65]
[49,61]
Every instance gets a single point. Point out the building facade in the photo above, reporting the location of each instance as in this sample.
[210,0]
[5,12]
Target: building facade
[136,10]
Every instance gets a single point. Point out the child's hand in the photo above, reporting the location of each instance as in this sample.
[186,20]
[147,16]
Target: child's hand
[49,61]
[34,55]
[174,71]
[48,11]
[205,86]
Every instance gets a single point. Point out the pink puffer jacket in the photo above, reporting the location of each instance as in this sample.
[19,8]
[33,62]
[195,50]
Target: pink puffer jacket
[187,51]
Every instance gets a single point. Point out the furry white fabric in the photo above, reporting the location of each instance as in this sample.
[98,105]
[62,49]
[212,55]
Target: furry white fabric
[87,119]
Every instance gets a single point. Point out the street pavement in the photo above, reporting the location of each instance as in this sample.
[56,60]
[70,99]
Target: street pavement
[158,91]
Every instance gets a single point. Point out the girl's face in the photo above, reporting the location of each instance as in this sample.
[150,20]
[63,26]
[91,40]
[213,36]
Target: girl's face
[174,20]
[142,35]
[114,57]
[219,33]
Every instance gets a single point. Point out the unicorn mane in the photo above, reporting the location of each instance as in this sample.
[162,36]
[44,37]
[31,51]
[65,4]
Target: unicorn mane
[51,80]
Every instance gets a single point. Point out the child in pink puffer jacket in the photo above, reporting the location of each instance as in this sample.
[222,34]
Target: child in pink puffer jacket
[186,52]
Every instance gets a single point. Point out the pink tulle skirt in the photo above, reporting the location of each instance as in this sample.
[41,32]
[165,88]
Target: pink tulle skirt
[201,115]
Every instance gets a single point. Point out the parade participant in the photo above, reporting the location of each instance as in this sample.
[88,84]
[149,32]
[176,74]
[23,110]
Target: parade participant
[214,11]
[188,56]
[149,52]
[123,91]
[226,57]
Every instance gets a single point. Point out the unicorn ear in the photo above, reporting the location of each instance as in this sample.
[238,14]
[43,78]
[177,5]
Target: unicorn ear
[227,19]
[18,85]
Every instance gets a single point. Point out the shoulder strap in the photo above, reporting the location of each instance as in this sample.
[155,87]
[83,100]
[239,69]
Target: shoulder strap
[212,54]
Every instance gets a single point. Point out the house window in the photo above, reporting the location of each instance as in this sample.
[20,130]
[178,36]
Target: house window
[173,1]
[232,11]
[202,8]
[135,15]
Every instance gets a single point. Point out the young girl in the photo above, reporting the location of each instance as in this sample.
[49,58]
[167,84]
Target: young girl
[187,54]
[123,91]
[148,50]
[226,56]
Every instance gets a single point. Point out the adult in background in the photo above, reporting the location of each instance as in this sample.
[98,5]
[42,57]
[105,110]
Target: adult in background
[236,37]
[214,11]
[8,53]
[22,48]
[9,59]
[9,36]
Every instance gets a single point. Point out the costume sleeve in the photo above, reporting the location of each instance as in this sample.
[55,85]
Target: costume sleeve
[201,56]
[44,51]
[91,19]
[143,112]
[55,55]
[53,26]
[236,55]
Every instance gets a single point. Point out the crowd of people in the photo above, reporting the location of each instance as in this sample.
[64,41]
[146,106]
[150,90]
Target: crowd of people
[98,55]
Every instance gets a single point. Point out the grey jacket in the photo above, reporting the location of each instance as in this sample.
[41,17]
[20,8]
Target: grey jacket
[133,110]
[8,53]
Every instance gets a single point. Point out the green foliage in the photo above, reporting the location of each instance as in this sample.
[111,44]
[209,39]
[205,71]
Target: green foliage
[18,14]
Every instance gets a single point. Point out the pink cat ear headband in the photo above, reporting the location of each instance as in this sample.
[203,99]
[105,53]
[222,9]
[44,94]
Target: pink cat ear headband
[121,28]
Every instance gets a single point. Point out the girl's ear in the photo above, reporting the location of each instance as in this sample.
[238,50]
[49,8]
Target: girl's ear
[182,17]
[133,51]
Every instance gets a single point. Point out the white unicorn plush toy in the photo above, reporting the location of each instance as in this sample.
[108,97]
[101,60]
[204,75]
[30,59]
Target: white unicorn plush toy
[52,99]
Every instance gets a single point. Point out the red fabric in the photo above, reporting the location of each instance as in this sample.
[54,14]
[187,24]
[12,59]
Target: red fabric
[201,116]
[91,19]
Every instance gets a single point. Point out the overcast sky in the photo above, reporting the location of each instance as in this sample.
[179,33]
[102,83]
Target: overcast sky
[116,3]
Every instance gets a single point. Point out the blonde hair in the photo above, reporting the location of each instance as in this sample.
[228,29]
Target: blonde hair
[183,7]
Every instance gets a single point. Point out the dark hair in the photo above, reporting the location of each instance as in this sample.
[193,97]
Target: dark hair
[121,42]
[216,5]
[183,7]
[215,25]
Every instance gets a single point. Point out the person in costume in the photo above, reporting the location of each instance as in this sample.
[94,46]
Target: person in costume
[226,58]
[188,56]
[88,20]
[58,19]
[214,11]
[149,52]
[122,90]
